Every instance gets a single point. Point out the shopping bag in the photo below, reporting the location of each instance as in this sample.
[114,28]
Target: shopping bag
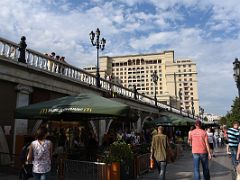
[151,165]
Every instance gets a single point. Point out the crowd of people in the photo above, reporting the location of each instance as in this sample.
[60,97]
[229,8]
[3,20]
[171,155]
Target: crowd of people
[203,143]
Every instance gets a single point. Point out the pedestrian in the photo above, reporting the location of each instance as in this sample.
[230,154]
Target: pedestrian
[233,141]
[200,151]
[26,170]
[159,147]
[216,137]
[221,138]
[189,133]
[40,153]
[210,141]
[226,140]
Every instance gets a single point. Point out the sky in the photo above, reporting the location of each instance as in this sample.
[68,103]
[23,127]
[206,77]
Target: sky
[206,31]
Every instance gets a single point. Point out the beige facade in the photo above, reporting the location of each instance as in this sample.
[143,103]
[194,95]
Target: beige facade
[177,80]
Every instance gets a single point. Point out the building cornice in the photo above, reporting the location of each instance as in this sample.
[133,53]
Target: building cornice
[137,55]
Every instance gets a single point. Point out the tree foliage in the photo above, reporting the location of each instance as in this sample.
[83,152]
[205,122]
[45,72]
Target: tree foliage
[233,114]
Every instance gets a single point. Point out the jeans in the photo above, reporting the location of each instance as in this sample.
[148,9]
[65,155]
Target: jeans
[161,165]
[40,176]
[204,161]
[234,154]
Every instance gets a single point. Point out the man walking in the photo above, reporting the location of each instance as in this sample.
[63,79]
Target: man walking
[200,151]
[233,140]
[159,151]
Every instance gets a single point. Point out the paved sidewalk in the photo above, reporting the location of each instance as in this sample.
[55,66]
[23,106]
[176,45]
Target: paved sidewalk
[181,169]
[220,168]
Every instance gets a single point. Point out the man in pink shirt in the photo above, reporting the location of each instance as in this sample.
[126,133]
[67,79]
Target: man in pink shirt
[200,150]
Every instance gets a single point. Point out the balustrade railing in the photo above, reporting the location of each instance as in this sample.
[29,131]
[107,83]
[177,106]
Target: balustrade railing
[40,61]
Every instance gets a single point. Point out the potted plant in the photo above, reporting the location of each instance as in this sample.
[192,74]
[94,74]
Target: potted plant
[120,156]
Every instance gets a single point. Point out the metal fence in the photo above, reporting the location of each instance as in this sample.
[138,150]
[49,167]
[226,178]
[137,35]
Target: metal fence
[74,170]
[62,169]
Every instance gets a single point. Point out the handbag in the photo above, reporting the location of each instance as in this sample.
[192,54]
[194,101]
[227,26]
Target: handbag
[151,165]
[27,168]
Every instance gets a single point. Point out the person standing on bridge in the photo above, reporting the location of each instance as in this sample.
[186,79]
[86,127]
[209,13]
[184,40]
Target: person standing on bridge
[200,150]
[159,147]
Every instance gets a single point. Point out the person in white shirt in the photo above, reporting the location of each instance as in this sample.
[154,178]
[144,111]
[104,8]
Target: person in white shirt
[210,140]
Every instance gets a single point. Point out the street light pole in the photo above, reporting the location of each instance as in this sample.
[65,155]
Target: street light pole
[193,110]
[100,44]
[236,69]
[155,79]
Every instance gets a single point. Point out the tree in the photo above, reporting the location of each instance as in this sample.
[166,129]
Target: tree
[234,114]
[205,118]
[223,120]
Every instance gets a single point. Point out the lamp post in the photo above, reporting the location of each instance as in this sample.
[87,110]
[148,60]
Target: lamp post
[155,79]
[180,99]
[201,112]
[193,110]
[236,69]
[100,44]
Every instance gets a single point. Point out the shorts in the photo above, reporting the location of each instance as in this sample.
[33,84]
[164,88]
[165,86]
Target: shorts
[211,145]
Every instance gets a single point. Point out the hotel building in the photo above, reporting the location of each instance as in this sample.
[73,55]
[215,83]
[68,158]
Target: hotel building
[177,79]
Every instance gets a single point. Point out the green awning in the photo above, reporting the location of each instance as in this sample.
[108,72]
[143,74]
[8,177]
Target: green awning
[163,120]
[73,107]
[169,119]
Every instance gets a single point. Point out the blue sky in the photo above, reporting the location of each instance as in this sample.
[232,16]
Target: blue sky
[208,32]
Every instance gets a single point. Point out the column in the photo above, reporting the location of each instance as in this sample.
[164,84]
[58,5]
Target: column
[101,132]
[21,125]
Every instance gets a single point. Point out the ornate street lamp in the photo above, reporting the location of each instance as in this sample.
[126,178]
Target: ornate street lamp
[201,112]
[155,79]
[236,69]
[193,110]
[100,44]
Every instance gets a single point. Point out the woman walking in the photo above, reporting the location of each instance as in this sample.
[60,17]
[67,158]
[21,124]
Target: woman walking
[40,153]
